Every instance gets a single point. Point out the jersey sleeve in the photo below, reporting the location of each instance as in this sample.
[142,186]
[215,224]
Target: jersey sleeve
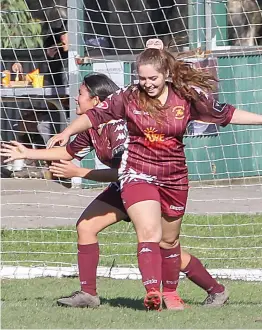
[81,146]
[209,110]
[117,132]
[113,108]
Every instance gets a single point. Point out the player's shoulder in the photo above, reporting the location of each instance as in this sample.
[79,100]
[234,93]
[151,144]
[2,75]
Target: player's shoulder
[127,91]
[115,124]
[112,123]
[200,92]
[114,130]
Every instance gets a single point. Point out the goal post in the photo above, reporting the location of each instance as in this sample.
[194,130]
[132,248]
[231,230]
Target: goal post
[223,223]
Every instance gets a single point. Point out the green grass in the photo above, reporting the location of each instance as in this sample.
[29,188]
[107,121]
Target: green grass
[31,304]
[232,241]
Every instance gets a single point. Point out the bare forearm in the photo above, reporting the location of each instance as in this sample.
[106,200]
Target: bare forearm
[48,154]
[103,175]
[79,125]
[242,117]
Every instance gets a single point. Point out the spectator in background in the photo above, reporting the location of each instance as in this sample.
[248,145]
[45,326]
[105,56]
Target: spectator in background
[57,54]
[53,16]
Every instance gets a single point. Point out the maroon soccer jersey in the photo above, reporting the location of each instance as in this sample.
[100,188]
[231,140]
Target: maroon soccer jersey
[107,141]
[155,151]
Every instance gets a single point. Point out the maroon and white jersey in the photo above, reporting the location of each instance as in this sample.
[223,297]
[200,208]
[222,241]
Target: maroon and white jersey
[154,152]
[107,141]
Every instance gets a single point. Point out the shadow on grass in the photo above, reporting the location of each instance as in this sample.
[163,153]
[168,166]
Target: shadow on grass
[136,304]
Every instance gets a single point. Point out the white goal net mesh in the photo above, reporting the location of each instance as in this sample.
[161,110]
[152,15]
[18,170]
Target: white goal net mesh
[57,43]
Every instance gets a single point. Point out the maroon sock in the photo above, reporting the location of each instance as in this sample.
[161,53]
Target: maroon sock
[197,273]
[88,257]
[149,262]
[171,263]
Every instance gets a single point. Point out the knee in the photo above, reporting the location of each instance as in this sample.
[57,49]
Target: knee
[84,229]
[169,243]
[149,235]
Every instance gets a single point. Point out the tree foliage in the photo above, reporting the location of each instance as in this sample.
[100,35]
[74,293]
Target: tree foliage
[18,28]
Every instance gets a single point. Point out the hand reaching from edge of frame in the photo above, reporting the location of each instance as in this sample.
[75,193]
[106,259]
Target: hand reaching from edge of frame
[13,150]
[65,169]
[61,138]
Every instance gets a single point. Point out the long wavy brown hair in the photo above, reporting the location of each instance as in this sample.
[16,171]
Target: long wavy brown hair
[181,74]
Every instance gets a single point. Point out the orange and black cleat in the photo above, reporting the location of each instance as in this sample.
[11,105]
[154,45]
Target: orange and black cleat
[153,300]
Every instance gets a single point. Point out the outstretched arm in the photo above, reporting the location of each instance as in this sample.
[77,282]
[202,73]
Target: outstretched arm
[15,150]
[241,117]
[66,169]
[209,110]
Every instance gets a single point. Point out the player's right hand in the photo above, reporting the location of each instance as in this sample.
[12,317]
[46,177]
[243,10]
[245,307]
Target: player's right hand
[14,150]
[61,138]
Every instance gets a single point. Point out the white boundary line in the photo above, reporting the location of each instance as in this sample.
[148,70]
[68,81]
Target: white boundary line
[20,272]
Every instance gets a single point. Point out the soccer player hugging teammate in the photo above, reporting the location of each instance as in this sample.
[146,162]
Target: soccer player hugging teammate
[107,208]
[154,133]
[153,173]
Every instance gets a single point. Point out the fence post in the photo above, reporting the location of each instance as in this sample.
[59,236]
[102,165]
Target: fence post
[76,47]
[210,26]
[197,24]
[219,9]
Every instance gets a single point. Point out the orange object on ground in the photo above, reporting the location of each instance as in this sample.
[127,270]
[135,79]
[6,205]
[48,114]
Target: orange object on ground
[30,76]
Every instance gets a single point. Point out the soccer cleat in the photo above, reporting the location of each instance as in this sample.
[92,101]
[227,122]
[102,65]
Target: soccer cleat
[173,301]
[216,299]
[153,300]
[79,299]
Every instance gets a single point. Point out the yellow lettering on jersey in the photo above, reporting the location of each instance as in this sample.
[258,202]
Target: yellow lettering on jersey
[152,135]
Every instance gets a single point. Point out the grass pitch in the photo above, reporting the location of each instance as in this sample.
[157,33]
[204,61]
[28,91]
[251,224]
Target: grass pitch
[226,241]
[31,304]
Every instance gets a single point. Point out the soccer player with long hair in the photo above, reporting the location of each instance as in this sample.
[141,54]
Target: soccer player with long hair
[153,172]
[107,209]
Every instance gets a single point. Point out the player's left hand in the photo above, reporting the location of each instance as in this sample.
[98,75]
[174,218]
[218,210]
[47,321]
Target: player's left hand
[61,138]
[64,169]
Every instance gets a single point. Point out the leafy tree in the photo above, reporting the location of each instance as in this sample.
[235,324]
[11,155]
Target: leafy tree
[18,28]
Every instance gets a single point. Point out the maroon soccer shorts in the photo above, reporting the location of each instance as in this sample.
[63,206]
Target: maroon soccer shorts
[173,201]
[112,196]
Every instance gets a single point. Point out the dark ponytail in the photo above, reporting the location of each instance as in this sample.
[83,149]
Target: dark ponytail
[99,85]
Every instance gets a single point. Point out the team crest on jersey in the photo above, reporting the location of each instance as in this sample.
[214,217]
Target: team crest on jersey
[103,105]
[179,111]
[152,135]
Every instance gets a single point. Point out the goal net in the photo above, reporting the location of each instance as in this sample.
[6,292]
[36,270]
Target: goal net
[47,49]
